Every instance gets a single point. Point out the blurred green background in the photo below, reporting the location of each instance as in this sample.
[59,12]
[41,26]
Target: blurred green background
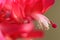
[54,15]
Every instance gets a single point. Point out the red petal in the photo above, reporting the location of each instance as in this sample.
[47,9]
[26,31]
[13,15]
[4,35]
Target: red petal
[38,5]
[14,29]
[47,4]
[25,8]
[36,34]
[33,6]
[16,10]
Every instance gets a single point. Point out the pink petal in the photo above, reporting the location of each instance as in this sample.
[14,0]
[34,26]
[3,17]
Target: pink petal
[1,36]
[26,27]
[2,2]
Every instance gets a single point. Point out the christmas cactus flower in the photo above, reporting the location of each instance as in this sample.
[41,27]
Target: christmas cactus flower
[17,18]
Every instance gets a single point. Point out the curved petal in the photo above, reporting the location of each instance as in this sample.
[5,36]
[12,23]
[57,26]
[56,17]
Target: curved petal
[38,5]
[47,4]
[16,12]
[33,6]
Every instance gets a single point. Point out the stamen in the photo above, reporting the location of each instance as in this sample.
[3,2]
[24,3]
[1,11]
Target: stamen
[42,20]
[53,24]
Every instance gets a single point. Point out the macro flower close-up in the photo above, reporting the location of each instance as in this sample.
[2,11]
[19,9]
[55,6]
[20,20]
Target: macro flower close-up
[17,18]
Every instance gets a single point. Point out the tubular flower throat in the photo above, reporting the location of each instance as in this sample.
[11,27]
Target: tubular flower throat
[21,12]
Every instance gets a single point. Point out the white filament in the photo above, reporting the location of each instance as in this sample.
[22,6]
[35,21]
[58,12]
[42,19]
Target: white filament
[42,20]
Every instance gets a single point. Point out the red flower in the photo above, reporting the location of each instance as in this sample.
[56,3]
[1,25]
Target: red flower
[17,16]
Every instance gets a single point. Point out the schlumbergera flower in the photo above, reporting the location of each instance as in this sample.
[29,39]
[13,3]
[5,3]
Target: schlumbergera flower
[17,16]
